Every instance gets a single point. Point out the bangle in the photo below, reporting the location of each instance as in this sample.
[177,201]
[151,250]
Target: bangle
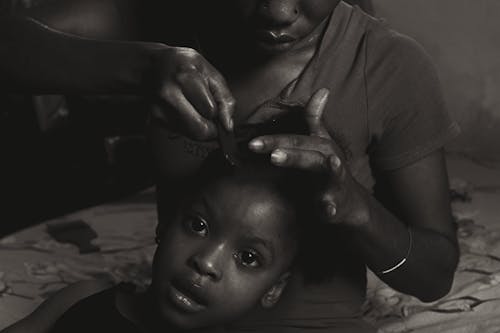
[401,263]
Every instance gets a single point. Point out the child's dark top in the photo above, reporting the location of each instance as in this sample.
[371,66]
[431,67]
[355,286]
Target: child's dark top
[96,313]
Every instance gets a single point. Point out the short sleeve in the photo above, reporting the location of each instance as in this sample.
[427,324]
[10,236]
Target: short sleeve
[407,116]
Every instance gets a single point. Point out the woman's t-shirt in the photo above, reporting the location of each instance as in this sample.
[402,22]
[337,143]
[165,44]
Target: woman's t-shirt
[386,104]
[385,109]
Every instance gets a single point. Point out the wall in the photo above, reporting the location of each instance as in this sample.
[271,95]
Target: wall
[463,37]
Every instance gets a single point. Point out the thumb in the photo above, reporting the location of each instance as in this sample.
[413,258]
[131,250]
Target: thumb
[314,113]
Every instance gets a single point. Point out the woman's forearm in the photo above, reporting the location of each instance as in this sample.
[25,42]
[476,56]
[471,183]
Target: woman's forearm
[36,59]
[431,257]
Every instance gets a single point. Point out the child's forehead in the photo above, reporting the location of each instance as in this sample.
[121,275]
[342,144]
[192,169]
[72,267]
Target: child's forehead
[252,206]
[249,190]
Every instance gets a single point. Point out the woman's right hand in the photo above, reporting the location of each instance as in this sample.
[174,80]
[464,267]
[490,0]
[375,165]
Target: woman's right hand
[192,93]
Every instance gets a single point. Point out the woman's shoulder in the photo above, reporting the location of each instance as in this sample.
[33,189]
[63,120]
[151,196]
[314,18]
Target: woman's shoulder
[356,42]
[396,66]
[407,114]
[386,46]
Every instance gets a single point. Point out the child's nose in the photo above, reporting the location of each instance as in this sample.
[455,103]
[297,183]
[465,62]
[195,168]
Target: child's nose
[279,12]
[208,263]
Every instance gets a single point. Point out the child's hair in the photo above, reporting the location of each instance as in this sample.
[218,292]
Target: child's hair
[315,238]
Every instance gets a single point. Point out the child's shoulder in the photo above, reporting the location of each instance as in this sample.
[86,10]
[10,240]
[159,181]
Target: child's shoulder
[55,306]
[44,317]
[78,291]
[100,310]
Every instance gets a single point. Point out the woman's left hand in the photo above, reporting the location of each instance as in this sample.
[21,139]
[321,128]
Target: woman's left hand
[341,200]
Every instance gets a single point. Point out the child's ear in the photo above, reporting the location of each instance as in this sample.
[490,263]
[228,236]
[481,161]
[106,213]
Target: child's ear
[273,295]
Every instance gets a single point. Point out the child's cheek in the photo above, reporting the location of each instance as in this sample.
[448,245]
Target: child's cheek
[247,288]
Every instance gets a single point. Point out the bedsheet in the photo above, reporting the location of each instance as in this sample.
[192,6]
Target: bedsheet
[33,265]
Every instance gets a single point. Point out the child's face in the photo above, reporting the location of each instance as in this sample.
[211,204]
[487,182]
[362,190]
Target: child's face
[280,25]
[226,252]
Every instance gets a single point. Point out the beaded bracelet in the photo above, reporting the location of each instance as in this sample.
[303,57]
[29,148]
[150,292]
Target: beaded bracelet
[401,263]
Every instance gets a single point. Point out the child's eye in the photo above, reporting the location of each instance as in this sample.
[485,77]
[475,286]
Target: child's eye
[248,258]
[197,225]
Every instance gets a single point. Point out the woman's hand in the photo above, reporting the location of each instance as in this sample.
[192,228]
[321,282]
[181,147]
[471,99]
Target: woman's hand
[191,92]
[340,200]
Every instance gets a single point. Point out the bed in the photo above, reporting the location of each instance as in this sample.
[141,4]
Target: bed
[33,264]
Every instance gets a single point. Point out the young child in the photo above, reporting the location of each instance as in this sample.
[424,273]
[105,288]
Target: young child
[240,62]
[229,248]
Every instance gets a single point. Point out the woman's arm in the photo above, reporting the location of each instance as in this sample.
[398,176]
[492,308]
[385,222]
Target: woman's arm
[96,19]
[419,195]
[417,216]
[37,59]
[43,318]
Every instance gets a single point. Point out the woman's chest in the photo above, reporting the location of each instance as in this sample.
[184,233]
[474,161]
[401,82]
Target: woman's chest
[257,89]
[255,85]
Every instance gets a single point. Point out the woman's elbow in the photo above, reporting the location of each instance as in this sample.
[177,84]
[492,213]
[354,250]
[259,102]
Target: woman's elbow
[436,292]
[440,283]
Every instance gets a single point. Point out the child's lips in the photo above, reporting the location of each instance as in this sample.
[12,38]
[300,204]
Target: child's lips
[187,297]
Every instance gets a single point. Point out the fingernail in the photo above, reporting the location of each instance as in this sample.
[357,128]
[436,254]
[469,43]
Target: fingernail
[332,210]
[230,124]
[336,162]
[256,144]
[278,156]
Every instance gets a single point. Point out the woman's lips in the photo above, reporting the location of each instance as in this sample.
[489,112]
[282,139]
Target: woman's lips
[186,298]
[274,37]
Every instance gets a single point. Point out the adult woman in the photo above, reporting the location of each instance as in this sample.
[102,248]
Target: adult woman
[380,121]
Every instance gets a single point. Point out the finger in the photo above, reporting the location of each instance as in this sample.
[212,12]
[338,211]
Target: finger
[223,98]
[268,143]
[329,207]
[196,126]
[308,160]
[196,90]
[314,113]
[331,202]
[336,168]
